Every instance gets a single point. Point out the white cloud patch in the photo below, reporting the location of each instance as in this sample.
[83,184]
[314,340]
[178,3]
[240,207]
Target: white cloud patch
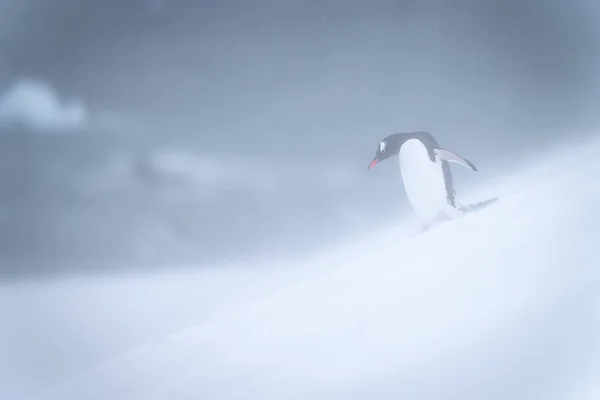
[36,105]
[210,170]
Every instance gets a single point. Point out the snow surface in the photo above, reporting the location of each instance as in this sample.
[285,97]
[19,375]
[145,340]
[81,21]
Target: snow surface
[499,304]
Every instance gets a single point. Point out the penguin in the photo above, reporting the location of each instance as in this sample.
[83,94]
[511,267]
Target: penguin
[426,176]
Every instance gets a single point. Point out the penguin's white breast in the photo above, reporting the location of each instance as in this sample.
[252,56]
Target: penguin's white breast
[423,180]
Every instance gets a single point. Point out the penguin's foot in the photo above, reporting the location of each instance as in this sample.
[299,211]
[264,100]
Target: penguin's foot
[443,217]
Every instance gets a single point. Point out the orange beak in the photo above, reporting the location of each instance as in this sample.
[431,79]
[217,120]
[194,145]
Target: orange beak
[373,164]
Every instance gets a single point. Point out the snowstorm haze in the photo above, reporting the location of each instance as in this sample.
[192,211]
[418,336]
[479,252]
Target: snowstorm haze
[277,106]
[145,140]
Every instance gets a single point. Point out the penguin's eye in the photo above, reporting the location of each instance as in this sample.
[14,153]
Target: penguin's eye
[382,147]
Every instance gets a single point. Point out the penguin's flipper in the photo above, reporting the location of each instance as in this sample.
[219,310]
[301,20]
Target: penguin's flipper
[450,156]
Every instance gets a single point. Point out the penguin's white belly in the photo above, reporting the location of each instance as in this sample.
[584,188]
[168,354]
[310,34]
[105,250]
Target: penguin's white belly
[424,182]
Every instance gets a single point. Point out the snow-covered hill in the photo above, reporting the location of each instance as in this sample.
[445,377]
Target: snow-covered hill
[500,304]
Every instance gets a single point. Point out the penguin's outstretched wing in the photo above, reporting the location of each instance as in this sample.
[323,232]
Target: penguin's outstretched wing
[450,156]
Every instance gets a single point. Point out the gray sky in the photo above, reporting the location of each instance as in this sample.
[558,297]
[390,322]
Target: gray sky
[277,107]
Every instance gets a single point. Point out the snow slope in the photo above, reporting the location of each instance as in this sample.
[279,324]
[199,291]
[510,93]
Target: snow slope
[500,304]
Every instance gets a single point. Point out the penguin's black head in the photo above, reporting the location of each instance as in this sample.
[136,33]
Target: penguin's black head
[388,147]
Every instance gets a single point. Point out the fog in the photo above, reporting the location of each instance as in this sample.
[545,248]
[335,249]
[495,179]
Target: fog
[284,100]
[499,304]
[166,163]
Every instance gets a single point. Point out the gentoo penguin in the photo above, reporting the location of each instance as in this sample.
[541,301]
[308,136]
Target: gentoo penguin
[426,175]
